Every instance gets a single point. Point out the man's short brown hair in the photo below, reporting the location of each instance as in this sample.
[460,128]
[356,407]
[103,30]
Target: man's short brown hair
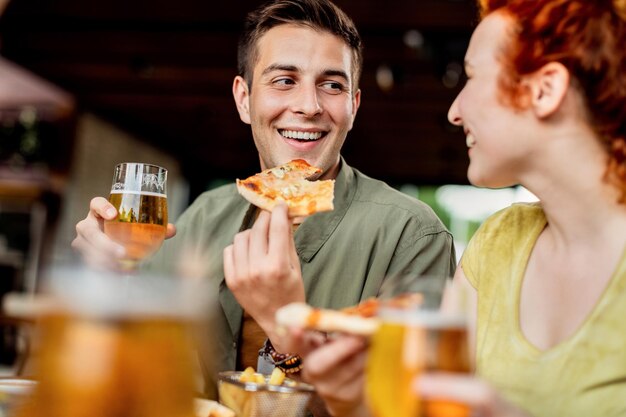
[317,14]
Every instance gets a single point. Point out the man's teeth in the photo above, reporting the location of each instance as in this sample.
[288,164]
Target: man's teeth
[294,134]
[470,141]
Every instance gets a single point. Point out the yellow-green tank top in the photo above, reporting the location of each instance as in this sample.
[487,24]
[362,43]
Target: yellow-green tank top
[583,376]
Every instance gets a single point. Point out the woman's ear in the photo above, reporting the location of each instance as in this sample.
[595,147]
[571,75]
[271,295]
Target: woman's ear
[548,87]
[241,94]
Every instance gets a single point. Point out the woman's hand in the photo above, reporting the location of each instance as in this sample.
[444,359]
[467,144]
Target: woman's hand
[336,367]
[483,400]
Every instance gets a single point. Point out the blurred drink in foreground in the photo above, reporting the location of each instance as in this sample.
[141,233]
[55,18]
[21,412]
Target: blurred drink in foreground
[139,195]
[409,342]
[116,348]
[138,367]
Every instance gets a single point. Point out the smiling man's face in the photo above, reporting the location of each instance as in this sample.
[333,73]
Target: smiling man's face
[301,103]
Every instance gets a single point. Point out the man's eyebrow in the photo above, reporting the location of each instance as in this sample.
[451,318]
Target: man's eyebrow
[293,68]
[279,67]
[336,73]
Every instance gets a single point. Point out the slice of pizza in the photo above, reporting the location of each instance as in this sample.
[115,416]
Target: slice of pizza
[359,319]
[289,183]
[307,317]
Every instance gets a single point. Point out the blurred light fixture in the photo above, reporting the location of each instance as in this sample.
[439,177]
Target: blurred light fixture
[384,77]
[3,4]
[452,75]
[414,39]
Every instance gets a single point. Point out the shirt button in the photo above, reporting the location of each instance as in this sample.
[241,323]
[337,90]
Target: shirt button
[234,345]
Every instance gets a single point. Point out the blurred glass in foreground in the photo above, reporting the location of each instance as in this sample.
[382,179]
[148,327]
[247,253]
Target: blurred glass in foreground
[115,347]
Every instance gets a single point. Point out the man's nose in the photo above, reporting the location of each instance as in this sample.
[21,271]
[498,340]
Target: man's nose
[307,101]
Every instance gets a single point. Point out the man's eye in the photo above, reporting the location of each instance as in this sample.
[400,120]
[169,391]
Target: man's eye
[334,86]
[284,81]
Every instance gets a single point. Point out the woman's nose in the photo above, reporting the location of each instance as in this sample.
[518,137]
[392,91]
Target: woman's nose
[454,116]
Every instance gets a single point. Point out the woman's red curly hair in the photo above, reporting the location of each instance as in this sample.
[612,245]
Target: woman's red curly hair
[589,38]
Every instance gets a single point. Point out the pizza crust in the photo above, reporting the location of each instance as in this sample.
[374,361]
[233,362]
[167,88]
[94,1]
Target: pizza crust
[358,320]
[307,317]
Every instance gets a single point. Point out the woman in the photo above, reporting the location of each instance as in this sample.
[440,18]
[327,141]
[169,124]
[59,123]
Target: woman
[544,106]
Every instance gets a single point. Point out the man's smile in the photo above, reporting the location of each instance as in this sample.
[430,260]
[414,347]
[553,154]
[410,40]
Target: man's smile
[301,135]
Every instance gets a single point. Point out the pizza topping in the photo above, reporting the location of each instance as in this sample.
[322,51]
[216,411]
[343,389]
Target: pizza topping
[279,172]
[314,318]
[366,308]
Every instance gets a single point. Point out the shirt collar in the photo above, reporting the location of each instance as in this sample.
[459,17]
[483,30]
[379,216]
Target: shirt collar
[315,230]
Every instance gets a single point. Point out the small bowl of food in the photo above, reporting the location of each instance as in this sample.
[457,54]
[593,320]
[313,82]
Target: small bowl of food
[250,394]
[14,391]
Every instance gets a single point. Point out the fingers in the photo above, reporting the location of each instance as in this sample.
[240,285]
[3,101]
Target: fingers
[229,264]
[97,248]
[468,390]
[91,237]
[259,236]
[260,275]
[170,231]
[236,259]
[263,247]
[302,342]
[100,207]
[327,357]
[280,239]
[336,370]
[461,388]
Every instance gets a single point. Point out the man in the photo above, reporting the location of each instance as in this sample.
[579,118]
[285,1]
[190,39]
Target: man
[299,66]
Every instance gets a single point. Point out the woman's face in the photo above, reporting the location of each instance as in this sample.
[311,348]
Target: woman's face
[496,133]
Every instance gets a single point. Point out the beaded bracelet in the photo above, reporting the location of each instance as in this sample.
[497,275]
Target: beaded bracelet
[289,364]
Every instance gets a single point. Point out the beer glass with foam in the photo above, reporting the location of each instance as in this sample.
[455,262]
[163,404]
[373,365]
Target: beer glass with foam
[140,197]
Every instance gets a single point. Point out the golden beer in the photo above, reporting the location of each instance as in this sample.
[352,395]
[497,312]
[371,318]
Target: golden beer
[406,344]
[140,225]
[133,367]
[110,347]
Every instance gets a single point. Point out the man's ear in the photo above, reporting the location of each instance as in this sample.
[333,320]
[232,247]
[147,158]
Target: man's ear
[548,88]
[241,94]
[356,102]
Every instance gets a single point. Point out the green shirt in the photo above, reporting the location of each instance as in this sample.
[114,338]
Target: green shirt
[374,232]
[585,375]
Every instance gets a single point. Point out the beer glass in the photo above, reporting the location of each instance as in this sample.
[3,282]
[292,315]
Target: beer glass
[410,340]
[139,195]
[109,348]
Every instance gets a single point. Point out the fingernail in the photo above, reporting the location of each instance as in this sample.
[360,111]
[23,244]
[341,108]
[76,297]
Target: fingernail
[120,251]
[111,212]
